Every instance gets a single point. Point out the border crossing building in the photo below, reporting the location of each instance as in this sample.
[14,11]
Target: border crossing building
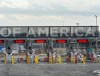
[18,39]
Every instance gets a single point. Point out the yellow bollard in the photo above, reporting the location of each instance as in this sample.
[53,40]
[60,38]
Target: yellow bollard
[36,60]
[83,60]
[12,59]
[51,58]
[71,59]
[60,60]
[28,59]
[4,58]
[74,59]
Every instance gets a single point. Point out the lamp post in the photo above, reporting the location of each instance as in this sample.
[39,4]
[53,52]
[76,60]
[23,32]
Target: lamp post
[96,19]
[96,38]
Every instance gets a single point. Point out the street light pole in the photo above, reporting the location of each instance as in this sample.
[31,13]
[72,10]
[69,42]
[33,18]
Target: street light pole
[96,19]
[96,38]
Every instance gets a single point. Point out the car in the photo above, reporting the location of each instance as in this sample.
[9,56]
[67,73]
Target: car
[43,57]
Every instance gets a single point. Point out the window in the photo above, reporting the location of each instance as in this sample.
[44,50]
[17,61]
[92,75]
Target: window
[73,45]
[98,44]
[59,45]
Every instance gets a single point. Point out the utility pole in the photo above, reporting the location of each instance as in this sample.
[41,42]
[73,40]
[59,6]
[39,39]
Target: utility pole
[96,19]
[96,38]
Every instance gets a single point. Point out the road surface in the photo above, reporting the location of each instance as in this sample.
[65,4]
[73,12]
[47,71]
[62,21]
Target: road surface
[90,69]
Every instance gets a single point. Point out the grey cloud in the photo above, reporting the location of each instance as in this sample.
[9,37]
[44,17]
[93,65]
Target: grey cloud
[43,11]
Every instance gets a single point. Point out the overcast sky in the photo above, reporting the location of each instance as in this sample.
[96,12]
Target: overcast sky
[49,12]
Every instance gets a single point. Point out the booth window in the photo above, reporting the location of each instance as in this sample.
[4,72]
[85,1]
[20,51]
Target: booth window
[98,44]
[59,45]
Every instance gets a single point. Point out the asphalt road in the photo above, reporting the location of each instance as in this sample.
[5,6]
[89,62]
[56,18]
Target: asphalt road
[90,69]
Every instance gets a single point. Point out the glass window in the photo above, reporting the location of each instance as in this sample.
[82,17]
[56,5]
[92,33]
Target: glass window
[95,31]
[94,45]
[83,45]
[59,45]
[37,46]
[15,47]
[98,44]
[73,45]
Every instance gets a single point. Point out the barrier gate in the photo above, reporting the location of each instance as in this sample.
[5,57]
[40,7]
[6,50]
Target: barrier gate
[16,49]
[83,53]
[72,51]
[87,49]
[60,48]
[38,47]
